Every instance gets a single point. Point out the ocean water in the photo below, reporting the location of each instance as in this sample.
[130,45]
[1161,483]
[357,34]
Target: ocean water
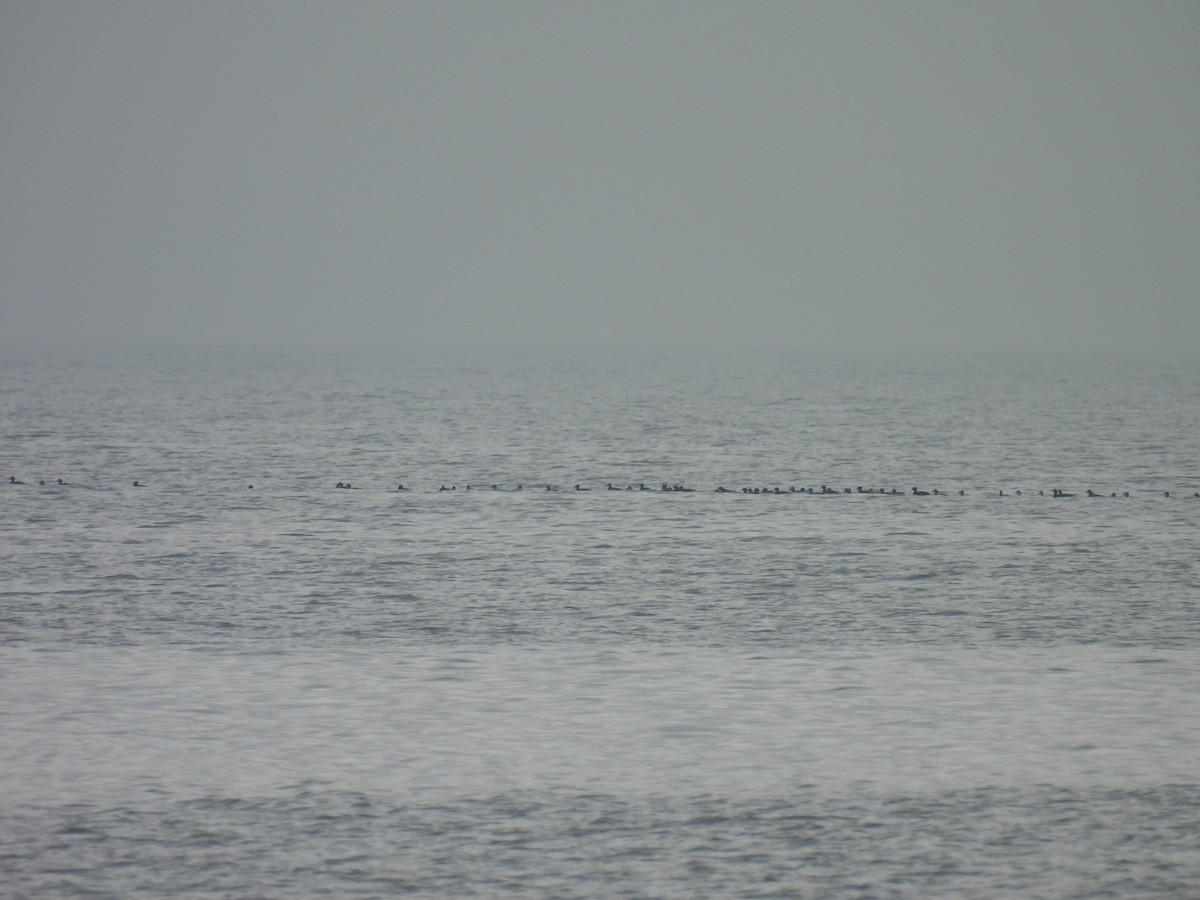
[295,690]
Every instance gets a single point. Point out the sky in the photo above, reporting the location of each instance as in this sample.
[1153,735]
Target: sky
[918,175]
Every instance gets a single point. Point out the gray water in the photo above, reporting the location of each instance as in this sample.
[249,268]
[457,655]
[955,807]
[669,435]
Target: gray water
[295,690]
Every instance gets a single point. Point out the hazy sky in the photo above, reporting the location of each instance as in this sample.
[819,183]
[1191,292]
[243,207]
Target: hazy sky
[844,173]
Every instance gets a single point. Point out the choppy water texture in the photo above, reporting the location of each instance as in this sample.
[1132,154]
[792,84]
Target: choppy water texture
[296,690]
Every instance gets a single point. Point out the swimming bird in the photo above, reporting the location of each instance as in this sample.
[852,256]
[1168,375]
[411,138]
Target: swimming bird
[917,493]
[12,479]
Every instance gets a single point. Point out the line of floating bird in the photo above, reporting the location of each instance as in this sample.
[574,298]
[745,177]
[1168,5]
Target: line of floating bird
[824,489]
[674,488]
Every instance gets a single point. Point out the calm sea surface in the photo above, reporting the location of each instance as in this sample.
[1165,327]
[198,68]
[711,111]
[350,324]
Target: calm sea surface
[296,690]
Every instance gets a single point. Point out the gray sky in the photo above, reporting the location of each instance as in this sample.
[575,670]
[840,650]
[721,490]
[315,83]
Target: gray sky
[854,174]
